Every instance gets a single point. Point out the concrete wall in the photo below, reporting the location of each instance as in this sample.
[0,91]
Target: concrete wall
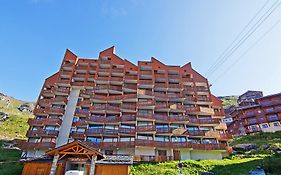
[205,155]
[130,151]
[185,154]
[145,151]
[68,117]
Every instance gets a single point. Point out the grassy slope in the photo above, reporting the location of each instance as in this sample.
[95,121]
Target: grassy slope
[237,165]
[16,125]
[10,167]
[229,100]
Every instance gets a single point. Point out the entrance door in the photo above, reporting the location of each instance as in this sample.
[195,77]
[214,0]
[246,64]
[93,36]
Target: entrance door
[177,154]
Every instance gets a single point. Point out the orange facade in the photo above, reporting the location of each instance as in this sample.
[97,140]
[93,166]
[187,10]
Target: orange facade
[123,105]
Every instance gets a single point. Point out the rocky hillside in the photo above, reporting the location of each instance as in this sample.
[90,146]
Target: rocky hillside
[229,100]
[13,117]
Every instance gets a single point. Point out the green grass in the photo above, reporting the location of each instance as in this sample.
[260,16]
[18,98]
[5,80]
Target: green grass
[192,167]
[16,125]
[229,100]
[234,166]
[9,164]
[260,139]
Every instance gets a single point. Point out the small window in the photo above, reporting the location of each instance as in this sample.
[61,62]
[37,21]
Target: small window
[276,124]
[265,125]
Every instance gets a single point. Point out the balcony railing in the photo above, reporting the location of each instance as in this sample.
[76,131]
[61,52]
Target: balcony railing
[45,121]
[127,118]
[81,113]
[204,121]
[42,133]
[80,123]
[196,133]
[77,134]
[100,119]
[52,110]
[148,128]
[145,115]
[123,130]
[146,103]
[164,130]
[145,158]
[38,145]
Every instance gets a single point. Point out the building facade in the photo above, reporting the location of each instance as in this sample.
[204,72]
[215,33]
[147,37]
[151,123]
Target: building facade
[249,97]
[263,116]
[152,111]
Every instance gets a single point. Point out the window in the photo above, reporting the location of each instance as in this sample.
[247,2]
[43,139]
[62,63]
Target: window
[272,117]
[108,152]
[252,120]
[264,125]
[162,152]
[178,139]
[276,124]
[94,139]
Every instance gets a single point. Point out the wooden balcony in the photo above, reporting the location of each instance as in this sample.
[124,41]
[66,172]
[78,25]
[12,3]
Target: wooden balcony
[44,103]
[249,131]
[130,96]
[149,143]
[118,79]
[202,89]
[38,145]
[179,118]
[149,128]
[204,121]
[132,107]
[81,113]
[77,134]
[192,109]
[39,111]
[115,97]
[145,115]
[196,133]
[94,131]
[101,119]
[62,90]
[145,158]
[47,93]
[80,123]
[107,131]
[86,103]
[55,111]
[225,136]
[127,130]
[164,130]
[146,82]
[175,86]
[59,100]
[42,133]
[127,144]
[164,118]
[146,103]
[45,121]
[127,118]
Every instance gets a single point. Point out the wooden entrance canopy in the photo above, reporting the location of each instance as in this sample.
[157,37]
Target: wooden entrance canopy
[76,148]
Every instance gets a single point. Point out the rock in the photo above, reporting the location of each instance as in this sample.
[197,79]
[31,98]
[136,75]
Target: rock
[3,116]
[265,147]
[274,148]
[25,108]
[244,147]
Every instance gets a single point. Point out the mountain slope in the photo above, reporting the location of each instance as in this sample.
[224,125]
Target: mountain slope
[229,100]
[17,113]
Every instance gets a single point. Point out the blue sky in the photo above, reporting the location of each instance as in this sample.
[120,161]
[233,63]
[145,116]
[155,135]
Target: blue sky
[35,33]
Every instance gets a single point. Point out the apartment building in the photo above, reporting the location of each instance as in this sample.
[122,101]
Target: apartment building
[263,116]
[249,97]
[150,110]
